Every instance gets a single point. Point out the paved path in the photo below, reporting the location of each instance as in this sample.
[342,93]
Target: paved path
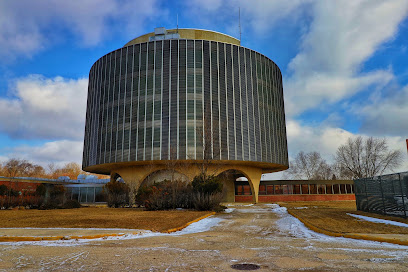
[259,234]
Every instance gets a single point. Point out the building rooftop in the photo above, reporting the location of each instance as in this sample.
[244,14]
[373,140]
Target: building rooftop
[161,33]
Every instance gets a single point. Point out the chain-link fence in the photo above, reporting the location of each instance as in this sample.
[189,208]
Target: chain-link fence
[387,194]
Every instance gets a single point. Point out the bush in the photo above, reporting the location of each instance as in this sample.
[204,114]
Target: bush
[3,190]
[118,194]
[207,202]
[71,204]
[167,195]
[207,184]
[41,190]
[204,193]
[207,192]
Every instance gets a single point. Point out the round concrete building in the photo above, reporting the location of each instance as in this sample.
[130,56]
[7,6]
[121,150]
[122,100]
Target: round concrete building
[173,100]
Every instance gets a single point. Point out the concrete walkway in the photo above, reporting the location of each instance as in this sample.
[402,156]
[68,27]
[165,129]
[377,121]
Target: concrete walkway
[261,234]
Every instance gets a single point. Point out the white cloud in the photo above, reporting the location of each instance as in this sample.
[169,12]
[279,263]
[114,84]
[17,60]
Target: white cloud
[45,108]
[256,15]
[385,114]
[29,26]
[322,90]
[337,38]
[322,139]
[341,37]
[326,140]
[58,152]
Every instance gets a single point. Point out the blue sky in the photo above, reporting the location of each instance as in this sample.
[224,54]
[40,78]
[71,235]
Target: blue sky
[343,64]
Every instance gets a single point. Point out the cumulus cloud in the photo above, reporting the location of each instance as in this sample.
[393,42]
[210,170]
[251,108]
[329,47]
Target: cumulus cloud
[341,37]
[386,114]
[29,26]
[58,152]
[45,108]
[256,15]
[326,140]
[337,38]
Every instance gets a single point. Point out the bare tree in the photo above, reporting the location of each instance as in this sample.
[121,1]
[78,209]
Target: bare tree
[22,168]
[309,166]
[367,158]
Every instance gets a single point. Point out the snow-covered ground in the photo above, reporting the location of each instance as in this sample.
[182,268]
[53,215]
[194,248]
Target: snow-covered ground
[200,226]
[293,226]
[377,220]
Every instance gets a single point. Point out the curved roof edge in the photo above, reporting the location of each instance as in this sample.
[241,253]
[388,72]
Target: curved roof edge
[190,33]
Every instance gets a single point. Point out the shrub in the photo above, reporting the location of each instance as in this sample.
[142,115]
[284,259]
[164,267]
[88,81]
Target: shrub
[207,192]
[41,190]
[3,190]
[207,202]
[204,193]
[167,195]
[118,194]
[71,204]
[143,194]
[207,184]
[57,196]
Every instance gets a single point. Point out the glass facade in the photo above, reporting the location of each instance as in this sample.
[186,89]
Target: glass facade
[86,193]
[174,99]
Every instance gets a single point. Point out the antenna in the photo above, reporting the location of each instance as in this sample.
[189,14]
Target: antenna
[177,22]
[239,23]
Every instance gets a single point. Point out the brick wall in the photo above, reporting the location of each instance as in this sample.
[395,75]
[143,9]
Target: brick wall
[283,198]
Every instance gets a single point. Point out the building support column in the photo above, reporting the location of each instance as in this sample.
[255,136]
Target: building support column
[254,179]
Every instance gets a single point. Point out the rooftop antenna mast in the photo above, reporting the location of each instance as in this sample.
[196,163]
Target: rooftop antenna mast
[239,23]
[177,22]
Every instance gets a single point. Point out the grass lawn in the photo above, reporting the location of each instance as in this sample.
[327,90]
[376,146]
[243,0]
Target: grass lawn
[92,217]
[332,216]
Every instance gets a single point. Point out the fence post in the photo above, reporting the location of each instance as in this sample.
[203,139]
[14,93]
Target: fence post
[402,195]
[382,195]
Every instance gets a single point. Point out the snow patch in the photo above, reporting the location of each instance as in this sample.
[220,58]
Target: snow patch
[377,220]
[288,224]
[200,226]
[229,210]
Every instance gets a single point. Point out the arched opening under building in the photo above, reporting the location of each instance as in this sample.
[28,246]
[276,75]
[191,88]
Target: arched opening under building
[236,187]
[117,177]
[161,175]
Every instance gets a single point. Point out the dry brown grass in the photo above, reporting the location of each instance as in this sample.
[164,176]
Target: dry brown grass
[91,217]
[332,216]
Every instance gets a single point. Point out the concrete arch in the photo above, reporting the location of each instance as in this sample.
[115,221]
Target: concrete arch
[228,178]
[252,174]
[162,174]
[134,175]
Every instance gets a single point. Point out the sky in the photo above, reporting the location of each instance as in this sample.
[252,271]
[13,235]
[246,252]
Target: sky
[343,65]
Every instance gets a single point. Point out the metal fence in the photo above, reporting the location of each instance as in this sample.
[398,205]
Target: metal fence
[387,194]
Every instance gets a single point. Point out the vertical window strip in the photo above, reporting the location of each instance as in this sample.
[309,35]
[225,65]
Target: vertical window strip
[248,102]
[97,113]
[131,103]
[254,108]
[226,99]
[161,101]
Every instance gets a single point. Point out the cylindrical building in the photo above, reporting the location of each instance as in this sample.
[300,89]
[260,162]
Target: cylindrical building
[185,96]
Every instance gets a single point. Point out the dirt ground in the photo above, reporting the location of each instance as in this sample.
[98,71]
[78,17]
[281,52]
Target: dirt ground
[260,234]
[90,217]
[332,216]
